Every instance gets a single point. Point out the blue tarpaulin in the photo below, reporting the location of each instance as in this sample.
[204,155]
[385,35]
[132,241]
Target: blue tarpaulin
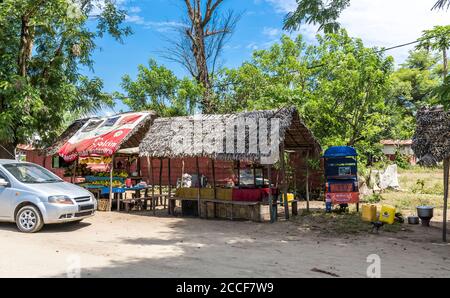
[340,151]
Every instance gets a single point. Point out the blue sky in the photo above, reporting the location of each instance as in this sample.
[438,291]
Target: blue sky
[382,23]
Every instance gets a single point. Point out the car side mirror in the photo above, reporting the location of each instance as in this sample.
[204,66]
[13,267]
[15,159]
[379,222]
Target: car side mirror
[3,182]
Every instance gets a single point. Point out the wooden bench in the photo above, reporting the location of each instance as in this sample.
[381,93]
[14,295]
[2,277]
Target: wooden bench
[140,203]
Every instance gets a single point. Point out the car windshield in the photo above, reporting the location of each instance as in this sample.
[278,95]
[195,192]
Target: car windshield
[29,173]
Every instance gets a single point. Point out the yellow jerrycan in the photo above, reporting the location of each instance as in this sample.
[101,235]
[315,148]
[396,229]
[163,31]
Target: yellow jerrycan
[387,214]
[369,213]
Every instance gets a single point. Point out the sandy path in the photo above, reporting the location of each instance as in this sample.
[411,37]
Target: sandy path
[137,245]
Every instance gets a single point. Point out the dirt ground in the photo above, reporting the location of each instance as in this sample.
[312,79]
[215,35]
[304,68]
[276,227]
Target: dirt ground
[140,245]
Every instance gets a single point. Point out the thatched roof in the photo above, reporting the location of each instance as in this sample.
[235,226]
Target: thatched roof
[132,140]
[65,136]
[135,137]
[431,142]
[211,142]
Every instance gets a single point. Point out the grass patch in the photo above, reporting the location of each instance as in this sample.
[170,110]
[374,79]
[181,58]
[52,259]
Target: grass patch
[337,223]
[419,186]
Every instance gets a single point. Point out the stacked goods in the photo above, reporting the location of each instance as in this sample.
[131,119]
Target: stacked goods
[186,193]
[80,170]
[105,181]
[95,160]
[223,194]
[115,183]
[431,142]
[121,174]
[207,193]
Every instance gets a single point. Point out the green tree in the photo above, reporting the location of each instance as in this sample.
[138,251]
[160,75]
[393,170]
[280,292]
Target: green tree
[272,78]
[157,88]
[413,84]
[322,12]
[347,100]
[340,87]
[43,44]
[326,13]
[438,39]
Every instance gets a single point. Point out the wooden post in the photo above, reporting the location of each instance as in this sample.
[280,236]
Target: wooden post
[170,187]
[214,178]
[284,182]
[182,171]
[295,178]
[263,178]
[307,181]
[138,166]
[111,194]
[74,170]
[239,173]
[148,178]
[160,180]
[271,211]
[198,187]
[153,186]
[214,186]
[446,190]
[254,175]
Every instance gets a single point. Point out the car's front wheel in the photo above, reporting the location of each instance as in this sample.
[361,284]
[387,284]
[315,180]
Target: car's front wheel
[29,219]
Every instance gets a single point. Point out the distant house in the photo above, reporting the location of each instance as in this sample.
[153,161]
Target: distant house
[392,147]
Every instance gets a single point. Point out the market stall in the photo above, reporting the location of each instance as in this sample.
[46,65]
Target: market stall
[206,139]
[103,156]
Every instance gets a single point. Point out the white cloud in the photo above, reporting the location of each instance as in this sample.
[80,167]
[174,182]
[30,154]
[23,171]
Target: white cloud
[160,26]
[252,46]
[283,6]
[383,23]
[134,9]
[135,19]
[271,32]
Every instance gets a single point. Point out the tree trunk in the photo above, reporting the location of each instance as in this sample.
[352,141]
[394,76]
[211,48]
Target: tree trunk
[202,67]
[26,46]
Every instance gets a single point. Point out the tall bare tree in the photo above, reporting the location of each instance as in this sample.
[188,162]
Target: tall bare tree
[205,31]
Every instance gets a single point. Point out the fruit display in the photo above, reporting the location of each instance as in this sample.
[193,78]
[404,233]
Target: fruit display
[121,174]
[115,183]
[95,160]
[80,170]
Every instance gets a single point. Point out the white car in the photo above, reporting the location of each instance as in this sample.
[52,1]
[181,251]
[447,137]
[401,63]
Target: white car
[32,196]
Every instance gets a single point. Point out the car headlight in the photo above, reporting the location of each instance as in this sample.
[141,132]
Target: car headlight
[60,200]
